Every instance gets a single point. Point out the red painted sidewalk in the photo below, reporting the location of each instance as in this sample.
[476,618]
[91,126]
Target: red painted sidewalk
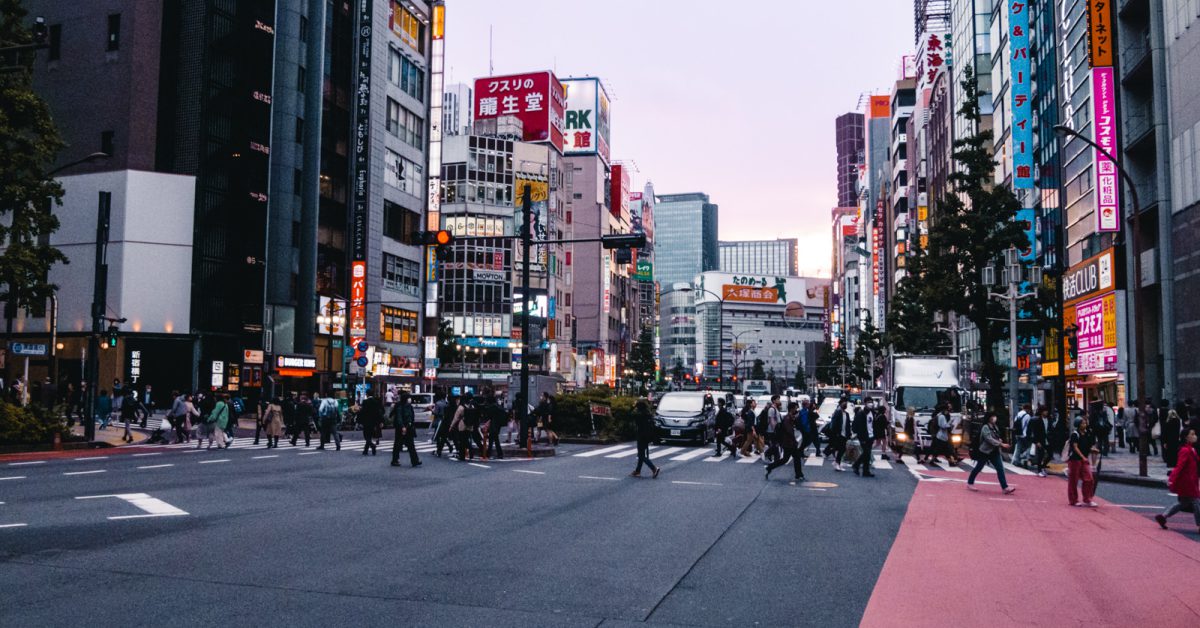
[1029,559]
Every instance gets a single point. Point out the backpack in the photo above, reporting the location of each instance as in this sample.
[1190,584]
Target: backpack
[931,427]
[764,417]
[328,409]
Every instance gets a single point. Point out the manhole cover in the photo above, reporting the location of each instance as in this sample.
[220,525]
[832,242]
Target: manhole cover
[819,485]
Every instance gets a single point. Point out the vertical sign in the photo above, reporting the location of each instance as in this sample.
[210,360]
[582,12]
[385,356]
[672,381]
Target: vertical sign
[1100,48]
[362,164]
[358,304]
[1022,93]
[1104,131]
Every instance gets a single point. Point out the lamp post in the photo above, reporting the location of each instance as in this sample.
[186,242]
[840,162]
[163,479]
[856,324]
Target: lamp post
[1135,226]
[720,324]
[1013,294]
[736,338]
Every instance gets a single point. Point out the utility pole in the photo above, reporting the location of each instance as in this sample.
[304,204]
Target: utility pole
[99,299]
[1012,295]
[526,293]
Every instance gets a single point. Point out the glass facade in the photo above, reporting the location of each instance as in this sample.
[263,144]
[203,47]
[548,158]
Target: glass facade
[760,257]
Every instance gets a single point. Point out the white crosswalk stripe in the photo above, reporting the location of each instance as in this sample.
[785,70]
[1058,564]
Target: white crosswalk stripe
[814,460]
[1017,470]
[624,453]
[600,452]
[695,453]
[749,459]
[880,463]
[665,451]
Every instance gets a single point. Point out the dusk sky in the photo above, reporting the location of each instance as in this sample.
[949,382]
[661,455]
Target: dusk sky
[736,103]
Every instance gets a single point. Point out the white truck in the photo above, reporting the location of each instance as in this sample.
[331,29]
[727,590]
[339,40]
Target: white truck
[924,383]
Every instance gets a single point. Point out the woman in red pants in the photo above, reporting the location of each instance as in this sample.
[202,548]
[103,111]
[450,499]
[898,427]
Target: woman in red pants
[1079,467]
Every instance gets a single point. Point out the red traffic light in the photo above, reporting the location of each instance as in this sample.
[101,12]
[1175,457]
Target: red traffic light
[442,237]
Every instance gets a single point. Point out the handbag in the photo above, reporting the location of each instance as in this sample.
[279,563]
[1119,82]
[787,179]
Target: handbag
[1156,431]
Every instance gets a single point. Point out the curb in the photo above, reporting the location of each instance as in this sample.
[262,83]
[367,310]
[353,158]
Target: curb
[1122,478]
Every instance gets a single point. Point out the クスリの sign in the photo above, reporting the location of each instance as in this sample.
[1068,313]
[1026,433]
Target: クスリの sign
[535,98]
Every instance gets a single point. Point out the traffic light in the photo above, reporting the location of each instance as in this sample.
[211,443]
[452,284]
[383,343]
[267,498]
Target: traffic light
[442,239]
[111,341]
[623,241]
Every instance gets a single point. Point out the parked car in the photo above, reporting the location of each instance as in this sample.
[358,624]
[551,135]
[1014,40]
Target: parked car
[686,415]
[422,408]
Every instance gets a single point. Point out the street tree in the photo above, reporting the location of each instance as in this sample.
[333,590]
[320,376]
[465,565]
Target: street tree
[800,381]
[833,365]
[869,354]
[756,371]
[910,327]
[448,351]
[29,145]
[973,227]
[641,356]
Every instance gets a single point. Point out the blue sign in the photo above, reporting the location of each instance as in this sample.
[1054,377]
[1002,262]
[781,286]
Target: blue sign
[24,348]
[362,346]
[1027,218]
[487,343]
[1021,88]
[362,361]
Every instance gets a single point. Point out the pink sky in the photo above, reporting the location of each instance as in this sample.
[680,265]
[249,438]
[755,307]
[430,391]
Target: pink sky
[736,103]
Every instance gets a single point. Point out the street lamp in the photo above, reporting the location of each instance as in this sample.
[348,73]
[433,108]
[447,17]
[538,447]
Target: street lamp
[334,320]
[1012,276]
[1136,241]
[736,338]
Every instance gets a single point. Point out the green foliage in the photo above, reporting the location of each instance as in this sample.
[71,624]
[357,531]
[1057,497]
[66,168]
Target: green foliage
[447,349]
[800,381]
[31,425]
[641,356]
[757,372]
[29,145]
[831,363]
[971,230]
[910,327]
[572,414]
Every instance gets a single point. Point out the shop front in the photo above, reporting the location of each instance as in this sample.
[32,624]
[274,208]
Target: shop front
[1093,316]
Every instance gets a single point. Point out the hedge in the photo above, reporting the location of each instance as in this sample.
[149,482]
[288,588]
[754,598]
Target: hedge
[572,414]
[31,425]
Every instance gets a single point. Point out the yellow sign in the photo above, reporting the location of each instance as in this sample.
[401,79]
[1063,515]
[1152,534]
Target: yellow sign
[439,21]
[1049,369]
[922,213]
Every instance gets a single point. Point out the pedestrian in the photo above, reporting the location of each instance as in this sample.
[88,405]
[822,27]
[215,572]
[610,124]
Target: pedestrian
[165,425]
[443,433]
[839,434]
[771,449]
[1170,437]
[808,429]
[1153,427]
[223,419]
[205,423]
[1079,467]
[643,419]
[785,436]
[1039,431]
[724,425]
[439,415]
[190,418]
[752,438]
[304,416]
[1120,425]
[260,418]
[273,422]
[176,415]
[329,417]
[1184,481]
[129,406]
[494,418]
[545,414]
[458,428]
[406,431]
[987,451]
[370,417]
[939,436]
[911,434]
[863,427]
[472,419]
[1021,436]
[881,428]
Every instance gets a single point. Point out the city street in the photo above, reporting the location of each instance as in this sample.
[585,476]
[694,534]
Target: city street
[294,535]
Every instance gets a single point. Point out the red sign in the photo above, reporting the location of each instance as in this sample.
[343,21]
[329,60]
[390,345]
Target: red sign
[537,99]
[358,304]
[749,294]
[620,191]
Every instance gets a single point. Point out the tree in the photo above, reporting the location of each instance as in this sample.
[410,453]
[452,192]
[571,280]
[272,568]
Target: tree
[677,372]
[868,355]
[756,371]
[833,365]
[29,145]
[800,381]
[973,227]
[447,351]
[641,356]
[910,328]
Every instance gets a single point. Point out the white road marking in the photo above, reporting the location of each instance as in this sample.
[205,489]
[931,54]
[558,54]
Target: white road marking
[749,459]
[157,453]
[699,451]
[695,483]
[600,452]
[156,466]
[1017,470]
[814,460]
[1119,506]
[882,464]
[91,458]
[308,453]
[13,477]
[530,472]
[153,506]
[22,464]
[625,454]
[261,457]
[13,525]
[596,477]
[481,466]
[86,472]
[212,461]
[193,451]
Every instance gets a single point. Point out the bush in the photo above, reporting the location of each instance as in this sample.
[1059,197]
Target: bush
[32,425]
[572,414]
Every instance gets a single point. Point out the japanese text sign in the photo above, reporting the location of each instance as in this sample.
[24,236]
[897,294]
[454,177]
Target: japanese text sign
[1021,88]
[1100,45]
[1096,334]
[536,99]
[748,294]
[586,125]
[1104,132]
[358,302]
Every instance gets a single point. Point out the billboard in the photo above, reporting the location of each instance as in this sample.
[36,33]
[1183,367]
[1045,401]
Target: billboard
[358,303]
[1096,335]
[1100,48]
[620,191]
[534,98]
[1021,87]
[881,107]
[586,129]
[538,195]
[1104,132]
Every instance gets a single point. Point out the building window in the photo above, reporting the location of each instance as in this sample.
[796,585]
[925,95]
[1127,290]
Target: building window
[410,30]
[303,28]
[405,74]
[106,143]
[299,130]
[393,117]
[55,52]
[401,275]
[404,124]
[297,181]
[114,32]
[400,224]
[300,79]
[397,325]
[403,174]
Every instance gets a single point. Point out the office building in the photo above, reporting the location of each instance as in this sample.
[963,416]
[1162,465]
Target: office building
[685,231]
[760,257]
[457,109]
[848,131]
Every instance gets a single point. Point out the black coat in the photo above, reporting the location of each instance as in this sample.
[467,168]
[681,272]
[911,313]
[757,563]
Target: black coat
[861,425]
[1037,429]
[370,415]
[644,421]
[724,420]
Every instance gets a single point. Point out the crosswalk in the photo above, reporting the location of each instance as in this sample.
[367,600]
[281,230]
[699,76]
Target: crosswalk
[663,453]
[348,445]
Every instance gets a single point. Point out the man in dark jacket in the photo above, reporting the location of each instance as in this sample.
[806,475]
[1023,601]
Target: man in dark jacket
[495,418]
[305,414]
[1039,439]
[644,421]
[405,424]
[370,417]
[724,426]
[863,430]
[785,438]
[839,433]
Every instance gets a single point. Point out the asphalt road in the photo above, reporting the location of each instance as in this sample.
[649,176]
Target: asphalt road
[338,538]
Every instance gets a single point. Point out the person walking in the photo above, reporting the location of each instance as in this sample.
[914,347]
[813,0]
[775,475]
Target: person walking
[752,438]
[1079,467]
[406,431]
[839,434]
[443,434]
[1170,437]
[785,437]
[305,416]
[881,428]
[1039,432]
[329,417]
[439,415]
[863,427]
[129,406]
[190,418]
[988,452]
[273,423]
[910,433]
[1151,427]
[1184,481]
[724,427]
[1119,426]
[643,419]
[494,418]
[774,416]
[370,417]
[808,429]
[939,442]
[1020,454]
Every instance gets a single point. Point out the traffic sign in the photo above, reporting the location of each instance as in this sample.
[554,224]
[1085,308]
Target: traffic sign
[24,348]
[362,361]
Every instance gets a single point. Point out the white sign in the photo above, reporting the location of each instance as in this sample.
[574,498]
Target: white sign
[24,348]
[252,356]
[489,275]
[586,121]
[218,367]
[295,362]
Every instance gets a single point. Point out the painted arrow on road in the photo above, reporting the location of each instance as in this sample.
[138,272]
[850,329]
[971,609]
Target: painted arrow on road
[152,506]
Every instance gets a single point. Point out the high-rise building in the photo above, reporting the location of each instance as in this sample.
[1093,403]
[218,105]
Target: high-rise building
[972,47]
[760,257]
[896,220]
[685,232]
[457,109]
[848,131]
